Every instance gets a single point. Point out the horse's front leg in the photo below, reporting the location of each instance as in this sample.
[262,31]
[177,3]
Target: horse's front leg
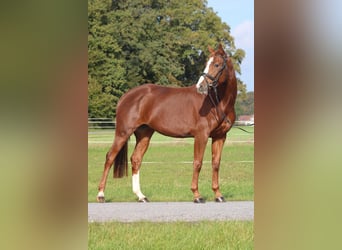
[199,148]
[216,149]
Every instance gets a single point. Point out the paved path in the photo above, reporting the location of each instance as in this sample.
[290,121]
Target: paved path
[170,211]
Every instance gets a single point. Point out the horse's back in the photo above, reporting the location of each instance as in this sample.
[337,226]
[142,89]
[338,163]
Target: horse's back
[154,94]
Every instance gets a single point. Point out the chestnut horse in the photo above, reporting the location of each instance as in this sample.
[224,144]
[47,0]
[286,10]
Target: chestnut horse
[201,111]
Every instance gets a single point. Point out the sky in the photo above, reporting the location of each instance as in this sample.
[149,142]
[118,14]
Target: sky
[239,15]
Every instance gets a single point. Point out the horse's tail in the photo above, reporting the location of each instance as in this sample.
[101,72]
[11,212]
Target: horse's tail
[121,163]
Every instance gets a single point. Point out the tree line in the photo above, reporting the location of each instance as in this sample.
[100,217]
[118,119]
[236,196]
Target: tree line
[133,42]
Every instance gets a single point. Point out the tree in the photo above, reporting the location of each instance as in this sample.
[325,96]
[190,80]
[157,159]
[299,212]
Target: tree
[132,42]
[245,104]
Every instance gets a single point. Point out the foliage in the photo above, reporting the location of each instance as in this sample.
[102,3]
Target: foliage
[245,104]
[132,42]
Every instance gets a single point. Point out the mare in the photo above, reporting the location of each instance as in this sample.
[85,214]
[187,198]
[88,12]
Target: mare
[203,110]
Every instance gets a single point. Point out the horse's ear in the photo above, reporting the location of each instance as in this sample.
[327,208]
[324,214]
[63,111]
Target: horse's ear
[211,50]
[221,51]
[220,48]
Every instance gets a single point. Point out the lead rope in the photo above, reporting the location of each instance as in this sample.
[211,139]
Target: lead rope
[218,111]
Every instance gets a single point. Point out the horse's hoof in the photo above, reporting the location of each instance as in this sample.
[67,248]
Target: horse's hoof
[144,200]
[100,199]
[199,200]
[220,199]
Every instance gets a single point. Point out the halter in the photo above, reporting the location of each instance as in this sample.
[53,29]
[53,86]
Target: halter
[213,85]
[216,78]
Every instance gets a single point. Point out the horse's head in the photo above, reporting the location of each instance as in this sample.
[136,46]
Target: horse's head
[213,74]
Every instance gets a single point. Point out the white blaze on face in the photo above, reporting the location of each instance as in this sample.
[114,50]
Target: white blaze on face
[136,186]
[206,70]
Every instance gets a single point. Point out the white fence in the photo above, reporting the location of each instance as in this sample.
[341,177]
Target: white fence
[101,123]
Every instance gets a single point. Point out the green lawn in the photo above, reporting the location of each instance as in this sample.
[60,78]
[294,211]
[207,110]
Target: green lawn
[179,235]
[167,168]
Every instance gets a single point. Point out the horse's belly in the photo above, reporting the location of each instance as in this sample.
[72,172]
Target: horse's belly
[172,125]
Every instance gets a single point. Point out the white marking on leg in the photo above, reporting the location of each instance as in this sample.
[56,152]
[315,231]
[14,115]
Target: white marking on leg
[136,186]
[206,70]
[100,194]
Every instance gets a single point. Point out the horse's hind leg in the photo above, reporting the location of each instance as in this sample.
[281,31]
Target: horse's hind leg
[143,135]
[119,142]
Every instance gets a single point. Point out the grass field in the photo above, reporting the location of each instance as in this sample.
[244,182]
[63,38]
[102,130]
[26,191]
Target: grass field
[166,171]
[178,235]
[166,176]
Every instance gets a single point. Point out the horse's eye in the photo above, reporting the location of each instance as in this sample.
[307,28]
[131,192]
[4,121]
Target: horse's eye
[216,65]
